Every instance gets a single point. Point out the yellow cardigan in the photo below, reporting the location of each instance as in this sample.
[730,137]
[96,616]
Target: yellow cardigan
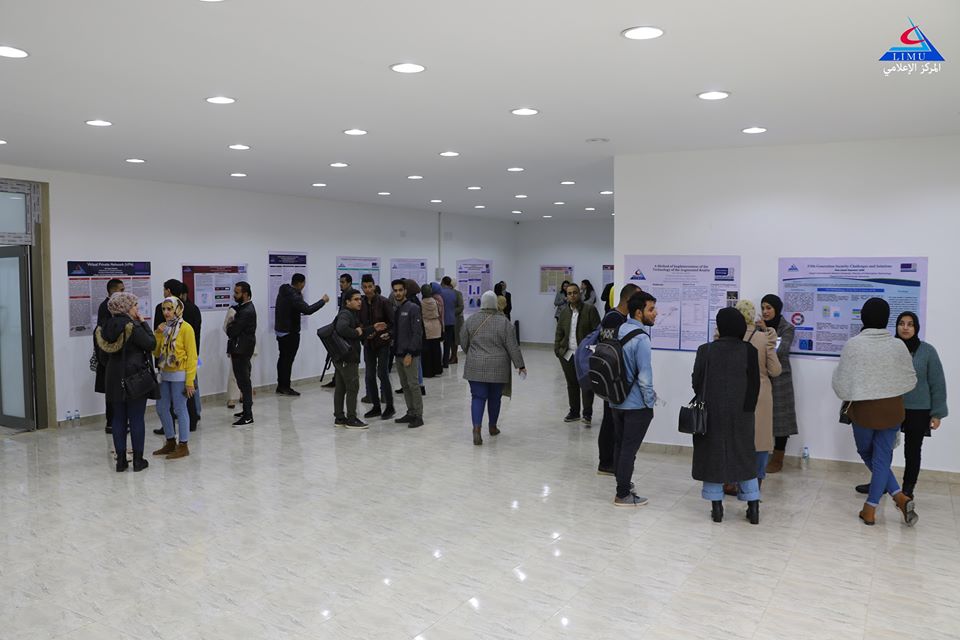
[186,352]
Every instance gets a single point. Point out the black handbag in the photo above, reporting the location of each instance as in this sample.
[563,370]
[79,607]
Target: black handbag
[693,417]
[337,347]
[142,383]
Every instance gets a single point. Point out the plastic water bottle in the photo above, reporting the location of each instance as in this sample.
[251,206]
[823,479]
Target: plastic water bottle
[68,419]
[76,416]
[805,458]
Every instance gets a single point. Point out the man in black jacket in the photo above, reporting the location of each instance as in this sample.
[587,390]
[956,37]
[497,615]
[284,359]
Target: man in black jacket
[241,343]
[407,345]
[347,375]
[376,319]
[286,324]
[103,315]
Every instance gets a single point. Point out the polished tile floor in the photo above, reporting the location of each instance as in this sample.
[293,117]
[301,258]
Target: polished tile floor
[291,528]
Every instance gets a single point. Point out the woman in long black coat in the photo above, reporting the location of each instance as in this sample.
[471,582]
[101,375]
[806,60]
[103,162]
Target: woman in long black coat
[725,454]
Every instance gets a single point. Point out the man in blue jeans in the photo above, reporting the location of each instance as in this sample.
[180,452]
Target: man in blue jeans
[632,417]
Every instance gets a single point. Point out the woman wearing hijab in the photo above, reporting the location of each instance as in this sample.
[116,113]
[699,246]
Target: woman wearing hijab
[176,354]
[925,406]
[784,409]
[560,300]
[490,345]
[128,342]
[607,295]
[498,290]
[874,373]
[588,292]
[432,357]
[727,369]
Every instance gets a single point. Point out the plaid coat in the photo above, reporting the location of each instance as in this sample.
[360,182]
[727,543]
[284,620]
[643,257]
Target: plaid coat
[490,343]
[784,411]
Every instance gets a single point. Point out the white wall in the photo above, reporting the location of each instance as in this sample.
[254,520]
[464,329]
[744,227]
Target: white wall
[99,218]
[587,245]
[876,198]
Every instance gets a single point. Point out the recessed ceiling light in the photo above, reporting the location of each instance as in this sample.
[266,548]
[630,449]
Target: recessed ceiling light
[3,142]
[754,130]
[474,188]
[221,100]
[414,177]
[408,67]
[516,211]
[479,206]
[436,201]
[319,184]
[383,193]
[339,165]
[612,213]
[515,169]
[547,216]
[606,193]
[99,123]
[642,33]
[597,140]
[590,209]
[559,203]
[567,182]
[713,95]
[524,111]
[449,154]
[355,132]
[211,0]
[12,52]
[520,195]
[135,161]
[239,147]
[238,175]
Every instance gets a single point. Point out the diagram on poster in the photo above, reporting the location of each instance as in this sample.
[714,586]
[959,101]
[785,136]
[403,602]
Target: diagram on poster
[608,270]
[474,276]
[409,269]
[356,267]
[211,286]
[552,276]
[689,292]
[280,269]
[87,288]
[822,297]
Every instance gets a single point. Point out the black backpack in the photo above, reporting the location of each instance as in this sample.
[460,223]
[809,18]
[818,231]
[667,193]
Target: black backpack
[608,369]
[333,342]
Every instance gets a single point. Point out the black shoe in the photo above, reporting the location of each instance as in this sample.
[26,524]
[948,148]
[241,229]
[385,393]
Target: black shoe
[287,392]
[404,419]
[716,511]
[389,413]
[108,429]
[605,471]
[159,431]
[139,463]
[863,488]
[339,421]
[753,511]
[423,390]
[243,421]
[353,423]
[399,392]
[238,415]
[373,413]
[122,463]
[366,400]
[571,417]
[195,426]
[415,422]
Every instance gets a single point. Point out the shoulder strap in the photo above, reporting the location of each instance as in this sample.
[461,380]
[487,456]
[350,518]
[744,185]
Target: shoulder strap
[630,336]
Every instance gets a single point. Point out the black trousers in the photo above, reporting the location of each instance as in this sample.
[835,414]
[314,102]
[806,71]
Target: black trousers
[449,342]
[377,367]
[575,392]
[630,427]
[289,344]
[241,371]
[606,440]
[915,427]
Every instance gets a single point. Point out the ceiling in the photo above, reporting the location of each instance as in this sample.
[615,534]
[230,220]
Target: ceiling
[303,71]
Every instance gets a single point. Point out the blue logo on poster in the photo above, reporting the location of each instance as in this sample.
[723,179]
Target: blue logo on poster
[908,267]
[723,274]
[793,267]
[638,275]
[914,46]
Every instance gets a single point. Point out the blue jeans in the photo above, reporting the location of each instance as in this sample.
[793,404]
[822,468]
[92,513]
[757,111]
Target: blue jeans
[485,394]
[749,490]
[174,392]
[762,458]
[875,446]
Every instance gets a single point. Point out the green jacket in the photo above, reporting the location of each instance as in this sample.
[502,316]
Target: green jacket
[588,321]
[931,390]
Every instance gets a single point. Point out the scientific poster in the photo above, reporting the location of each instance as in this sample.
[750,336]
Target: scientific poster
[474,276]
[822,297]
[552,276]
[87,288]
[689,292]
[409,269]
[356,267]
[607,274]
[280,269]
[211,286]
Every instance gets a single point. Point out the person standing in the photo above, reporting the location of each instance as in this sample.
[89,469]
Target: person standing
[508,309]
[458,307]
[241,343]
[784,409]
[588,293]
[449,297]
[610,330]
[346,282]
[575,323]
[103,316]
[407,346]
[874,373]
[286,324]
[489,345]
[347,326]
[193,317]
[128,342]
[632,417]
[433,329]
[177,354]
[560,300]
[376,320]
[504,304]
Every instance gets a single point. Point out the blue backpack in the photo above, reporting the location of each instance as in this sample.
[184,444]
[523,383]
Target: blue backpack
[581,358]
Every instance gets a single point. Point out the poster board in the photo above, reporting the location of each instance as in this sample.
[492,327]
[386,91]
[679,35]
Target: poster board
[409,269]
[552,276]
[356,267]
[608,270]
[689,292]
[822,297]
[281,265]
[474,276]
[211,286]
[87,288]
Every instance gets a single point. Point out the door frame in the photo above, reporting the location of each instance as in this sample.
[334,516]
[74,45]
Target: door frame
[29,422]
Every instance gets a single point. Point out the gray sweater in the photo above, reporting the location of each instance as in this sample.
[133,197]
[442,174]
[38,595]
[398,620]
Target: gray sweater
[874,365]
[931,390]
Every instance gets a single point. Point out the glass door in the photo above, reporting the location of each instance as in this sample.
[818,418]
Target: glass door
[17,409]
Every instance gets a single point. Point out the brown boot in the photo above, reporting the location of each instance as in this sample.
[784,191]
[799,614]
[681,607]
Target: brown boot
[477,437]
[181,451]
[169,447]
[494,431]
[868,514]
[905,505]
[776,462]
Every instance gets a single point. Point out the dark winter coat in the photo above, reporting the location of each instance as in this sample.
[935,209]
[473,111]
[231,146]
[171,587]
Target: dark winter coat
[346,327]
[587,321]
[242,332]
[726,453]
[290,306]
[103,316]
[121,363]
